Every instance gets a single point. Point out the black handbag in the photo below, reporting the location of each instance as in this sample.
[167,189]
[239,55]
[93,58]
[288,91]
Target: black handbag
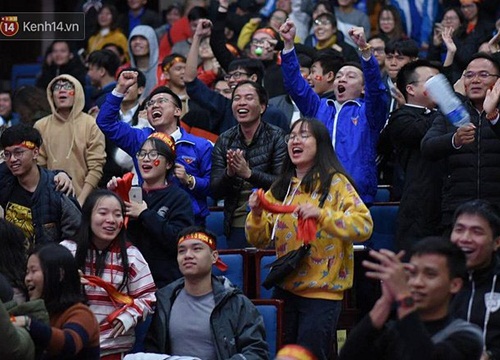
[285,265]
[288,263]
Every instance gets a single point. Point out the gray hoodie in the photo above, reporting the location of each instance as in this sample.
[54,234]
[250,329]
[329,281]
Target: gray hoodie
[151,72]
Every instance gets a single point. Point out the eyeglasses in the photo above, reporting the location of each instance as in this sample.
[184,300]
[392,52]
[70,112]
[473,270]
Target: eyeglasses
[236,75]
[379,50]
[152,155]
[65,86]
[263,42]
[322,22]
[159,101]
[16,154]
[303,136]
[278,18]
[450,18]
[469,75]
[386,20]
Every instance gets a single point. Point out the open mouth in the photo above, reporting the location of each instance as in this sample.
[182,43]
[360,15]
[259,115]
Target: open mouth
[156,114]
[297,150]
[243,111]
[341,89]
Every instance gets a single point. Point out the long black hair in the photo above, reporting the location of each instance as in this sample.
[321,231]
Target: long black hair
[326,163]
[13,254]
[84,237]
[61,280]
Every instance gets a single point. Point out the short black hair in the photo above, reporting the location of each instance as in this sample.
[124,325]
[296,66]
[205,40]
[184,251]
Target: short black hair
[169,58]
[106,59]
[486,56]
[251,66]
[259,89]
[330,16]
[197,228]
[407,75]
[330,60]
[442,246]
[483,208]
[141,78]
[197,13]
[16,134]
[405,47]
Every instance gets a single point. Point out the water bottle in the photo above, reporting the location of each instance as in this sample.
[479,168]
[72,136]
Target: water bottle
[443,95]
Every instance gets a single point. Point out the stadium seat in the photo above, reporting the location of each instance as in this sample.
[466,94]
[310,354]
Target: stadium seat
[237,271]
[384,226]
[272,312]
[383,194]
[24,74]
[215,223]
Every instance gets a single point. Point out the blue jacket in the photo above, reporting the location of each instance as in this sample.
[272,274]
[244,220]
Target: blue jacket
[193,152]
[355,126]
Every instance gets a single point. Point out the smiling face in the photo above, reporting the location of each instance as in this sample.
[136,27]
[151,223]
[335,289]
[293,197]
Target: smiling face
[451,19]
[323,29]
[153,169]
[106,221]
[246,105]
[302,147]
[320,82]
[163,112]
[195,258]
[470,10]
[476,88]
[348,84]
[34,278]
[431,286]
[139,46]
[20,160]
[473,234]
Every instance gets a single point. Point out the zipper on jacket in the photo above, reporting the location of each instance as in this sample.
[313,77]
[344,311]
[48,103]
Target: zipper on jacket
[478,181]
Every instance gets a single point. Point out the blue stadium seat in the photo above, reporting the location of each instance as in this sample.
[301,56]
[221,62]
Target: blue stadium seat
[215,223]
[24,74]
[272,312]
[262,260]
[384,226]
[383,194]
[237,268]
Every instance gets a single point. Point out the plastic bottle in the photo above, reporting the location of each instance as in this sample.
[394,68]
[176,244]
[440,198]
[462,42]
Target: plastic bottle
[442,93]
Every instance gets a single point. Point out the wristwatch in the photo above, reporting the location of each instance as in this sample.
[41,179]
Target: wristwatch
[406,302]
[190,181]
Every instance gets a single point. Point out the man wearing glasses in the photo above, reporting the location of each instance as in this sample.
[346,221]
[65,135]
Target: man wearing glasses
[31,195]
[193,164]
[471,152]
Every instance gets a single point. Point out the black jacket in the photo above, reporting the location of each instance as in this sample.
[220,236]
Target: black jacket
[155,231]
[420,208]
[55,216]
[411,339]
[471,172]
[265,155]
[482,281]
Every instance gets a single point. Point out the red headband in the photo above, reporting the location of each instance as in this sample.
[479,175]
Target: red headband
[171,63]
[267,31]
[167,139]
[210,241]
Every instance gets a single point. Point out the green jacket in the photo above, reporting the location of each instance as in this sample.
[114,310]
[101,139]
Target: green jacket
[16,341]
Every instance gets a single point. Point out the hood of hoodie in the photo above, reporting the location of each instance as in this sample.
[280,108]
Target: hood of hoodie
[79,97]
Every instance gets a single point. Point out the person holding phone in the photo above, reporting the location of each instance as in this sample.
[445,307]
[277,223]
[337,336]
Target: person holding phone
[165,209]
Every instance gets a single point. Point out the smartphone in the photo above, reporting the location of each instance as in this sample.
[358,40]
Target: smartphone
[135,194]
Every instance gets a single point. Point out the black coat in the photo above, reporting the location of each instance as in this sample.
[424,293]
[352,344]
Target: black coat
[420,208]
[471,172]
[265,155]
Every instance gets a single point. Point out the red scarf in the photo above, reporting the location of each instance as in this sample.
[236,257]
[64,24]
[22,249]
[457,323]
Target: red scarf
[123,188]
[306,230]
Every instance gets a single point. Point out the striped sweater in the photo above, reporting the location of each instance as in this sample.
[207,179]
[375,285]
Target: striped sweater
[74,334]
[140,286]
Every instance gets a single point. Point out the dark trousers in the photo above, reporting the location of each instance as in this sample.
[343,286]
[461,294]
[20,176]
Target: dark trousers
[310,322]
